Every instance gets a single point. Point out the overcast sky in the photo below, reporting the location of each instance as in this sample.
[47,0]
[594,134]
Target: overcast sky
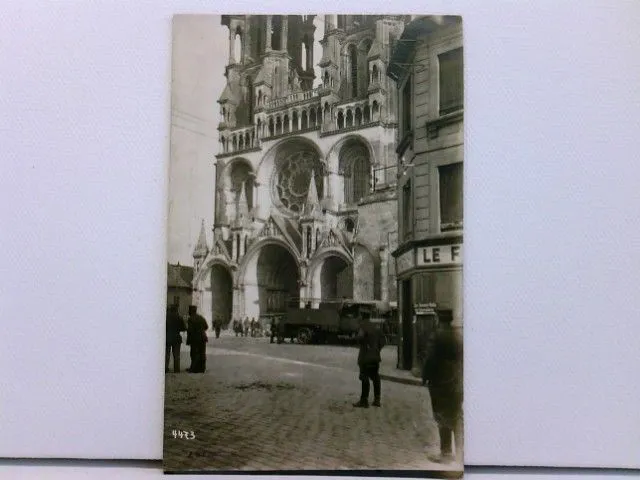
[200,53]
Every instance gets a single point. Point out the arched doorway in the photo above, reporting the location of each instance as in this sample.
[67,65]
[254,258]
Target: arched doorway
[271,279]
[221,294]
[336,279]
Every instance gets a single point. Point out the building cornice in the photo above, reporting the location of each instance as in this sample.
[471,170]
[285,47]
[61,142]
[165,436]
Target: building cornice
[445,238]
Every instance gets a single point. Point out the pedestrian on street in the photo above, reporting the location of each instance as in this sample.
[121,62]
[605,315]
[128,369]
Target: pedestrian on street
[197,338]
[175,325]
[217,325]
[246,326]
[275,322]
[371,342]
[442,372]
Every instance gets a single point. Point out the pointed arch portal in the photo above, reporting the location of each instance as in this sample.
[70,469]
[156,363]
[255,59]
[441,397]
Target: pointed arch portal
[221,293]
[271,279]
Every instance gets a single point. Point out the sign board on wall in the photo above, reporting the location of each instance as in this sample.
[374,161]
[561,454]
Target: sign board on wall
[404,262]
[440,255]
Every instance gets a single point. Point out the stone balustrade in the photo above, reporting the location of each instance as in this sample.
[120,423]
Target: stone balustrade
[239,140]
[293,98]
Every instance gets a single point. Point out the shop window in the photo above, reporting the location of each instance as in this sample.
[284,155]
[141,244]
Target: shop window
[450,183]
[451,81]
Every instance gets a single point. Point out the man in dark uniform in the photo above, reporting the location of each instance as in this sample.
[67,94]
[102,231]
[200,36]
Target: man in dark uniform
[217,325]
[197,338]
[443,373]
[175,325]
[371,342]
[275,322]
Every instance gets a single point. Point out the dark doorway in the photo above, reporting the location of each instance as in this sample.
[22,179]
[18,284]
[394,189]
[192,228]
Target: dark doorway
[407,327]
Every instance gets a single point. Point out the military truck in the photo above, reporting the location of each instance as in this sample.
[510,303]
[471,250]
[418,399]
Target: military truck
[330,321]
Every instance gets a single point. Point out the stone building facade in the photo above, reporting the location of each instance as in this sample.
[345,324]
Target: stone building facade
[427,67]
[305,190]
[179,287]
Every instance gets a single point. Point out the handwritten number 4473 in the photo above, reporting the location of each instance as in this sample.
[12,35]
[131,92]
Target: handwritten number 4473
[183,434]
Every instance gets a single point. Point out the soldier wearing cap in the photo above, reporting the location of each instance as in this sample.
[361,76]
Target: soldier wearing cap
[197,338]
[442,373]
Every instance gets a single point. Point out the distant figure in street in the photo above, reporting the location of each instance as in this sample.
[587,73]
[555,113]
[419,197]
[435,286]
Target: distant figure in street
[442,373]
[254,327]
[371,342]
[217,325]
[235,326]
[275,324]
[175,325]
[246,326]
[197,337]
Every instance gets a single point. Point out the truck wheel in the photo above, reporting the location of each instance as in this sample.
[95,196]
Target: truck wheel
[304,336]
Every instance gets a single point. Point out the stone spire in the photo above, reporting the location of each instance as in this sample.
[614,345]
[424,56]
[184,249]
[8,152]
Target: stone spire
[201,250]
[312,204]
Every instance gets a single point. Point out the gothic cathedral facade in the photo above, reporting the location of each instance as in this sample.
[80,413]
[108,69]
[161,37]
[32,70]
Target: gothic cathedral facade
[305,187]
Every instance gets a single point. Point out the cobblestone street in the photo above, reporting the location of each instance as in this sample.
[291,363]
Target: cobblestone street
[264,406]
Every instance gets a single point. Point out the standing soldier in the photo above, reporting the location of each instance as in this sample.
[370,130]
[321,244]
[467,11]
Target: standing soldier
[442,373]
[197,338]
[217,325]
[175,325]
[371,342]
[246,326]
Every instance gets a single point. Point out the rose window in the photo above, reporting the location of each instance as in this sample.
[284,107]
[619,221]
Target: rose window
[292,178]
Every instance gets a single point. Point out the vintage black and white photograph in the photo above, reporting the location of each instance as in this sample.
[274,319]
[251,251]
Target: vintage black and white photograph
[314,316]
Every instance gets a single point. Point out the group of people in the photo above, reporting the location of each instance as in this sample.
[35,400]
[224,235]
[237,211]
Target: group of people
[196,328]
[246,327]
[442,374]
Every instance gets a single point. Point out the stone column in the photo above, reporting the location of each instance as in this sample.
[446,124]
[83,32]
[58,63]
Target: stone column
[290,118]
[234,248]
[299,121]
[232,44]
[268,34]
[285,32]
[384,274]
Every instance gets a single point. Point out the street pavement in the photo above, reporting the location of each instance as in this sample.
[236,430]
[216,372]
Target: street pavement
[263,406]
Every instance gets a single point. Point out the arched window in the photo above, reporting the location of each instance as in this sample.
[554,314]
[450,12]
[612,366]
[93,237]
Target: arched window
[259,97]
[278,126]
[309,232]
[340,120]
[271,130]
[317,237]
[294,117]
[353,69]
[349,118]
[241,177]
[250,100]
[304,119]
[326,78]
[319,116]
[235,143]
[355,166]
[367,114]
[358,116]
[241,142]
[303,52]
[312,117]
[286,124]
[376,110]
[327,112]
[237,52]
[276,32]
[374,75]
[349,225]
[247,140]
[259,124]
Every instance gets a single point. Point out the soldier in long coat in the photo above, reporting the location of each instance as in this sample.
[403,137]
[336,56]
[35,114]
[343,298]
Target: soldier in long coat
[175,325]
[443,373]
[197,338]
